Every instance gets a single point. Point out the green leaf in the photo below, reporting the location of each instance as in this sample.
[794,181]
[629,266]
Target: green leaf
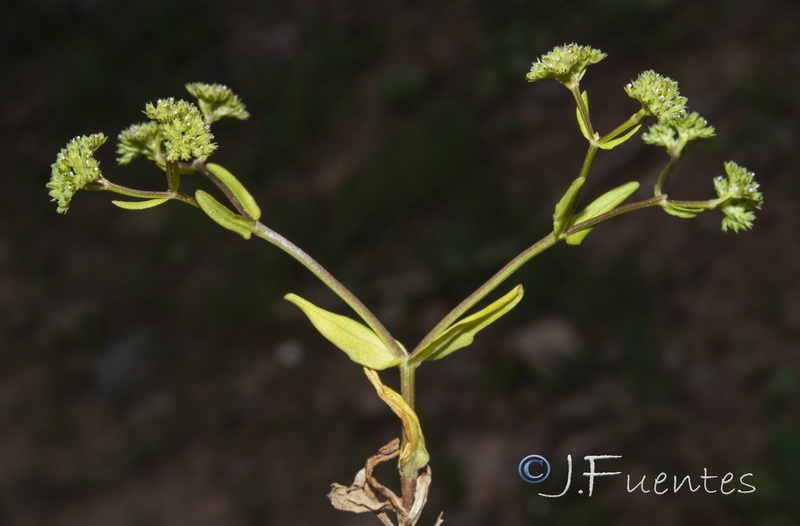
[605,203]
[566,206]
[173,175]
[611,143]
[461,333]
[237,189]
[685,212]
[360,343]
[141,205]
[223,216]
[581,121]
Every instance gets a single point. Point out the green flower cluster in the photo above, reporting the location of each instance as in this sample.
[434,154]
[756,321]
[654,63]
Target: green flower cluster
[739,196]
[185,133]
[566,63]
[676,134]
[217,101]
[139,139]
[179,129]
[658,95]
[74,169]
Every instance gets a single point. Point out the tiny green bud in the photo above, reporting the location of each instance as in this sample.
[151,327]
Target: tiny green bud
[74,169]
[217,101]
[139,139]
[676,134]
[185,132]
[566,63]
[658,95]
[738,197]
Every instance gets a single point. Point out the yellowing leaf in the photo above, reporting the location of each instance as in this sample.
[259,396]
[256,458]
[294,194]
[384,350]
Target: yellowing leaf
[605,203]
[360,343]
[413,455]
[461,333]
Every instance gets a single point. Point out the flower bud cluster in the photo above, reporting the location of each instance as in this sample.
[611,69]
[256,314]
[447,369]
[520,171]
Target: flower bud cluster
[217,101]
[185,133]
[75,167]
[138,139]
[658,95]
[566,63]
[676,134]
[739,196]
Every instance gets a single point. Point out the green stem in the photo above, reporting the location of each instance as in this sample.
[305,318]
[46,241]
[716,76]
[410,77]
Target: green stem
[512,266]
[407,382]
[662,177]
[575,89]
[634,119]
[173,176]
[105,184]
[623,209]
[408,481]
[326,277]
[537,248]
[588,160]
[707,204]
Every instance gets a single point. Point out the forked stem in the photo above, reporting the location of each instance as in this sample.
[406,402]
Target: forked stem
[332,283]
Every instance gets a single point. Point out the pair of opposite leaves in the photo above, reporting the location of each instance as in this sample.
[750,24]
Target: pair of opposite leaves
[365,347]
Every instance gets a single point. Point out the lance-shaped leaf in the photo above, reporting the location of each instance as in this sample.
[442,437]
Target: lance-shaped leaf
[224,216]
[612,142]
[141,205]
[461,333]
[683,211]
[605,203]
[360,343]
[413,455]
[237,189]
[584,126]
[566,206]
[173,175]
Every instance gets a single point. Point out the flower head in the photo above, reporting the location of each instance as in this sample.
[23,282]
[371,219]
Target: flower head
[738,197]
[139,139]
[74,169]
[566,63]
[217,101]
[676,134]
[658,95]
[185,133]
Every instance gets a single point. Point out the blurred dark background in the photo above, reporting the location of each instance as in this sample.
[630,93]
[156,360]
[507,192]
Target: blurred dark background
[151,374]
